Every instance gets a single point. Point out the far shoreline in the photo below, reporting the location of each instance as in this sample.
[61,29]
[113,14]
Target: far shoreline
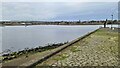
[59,25]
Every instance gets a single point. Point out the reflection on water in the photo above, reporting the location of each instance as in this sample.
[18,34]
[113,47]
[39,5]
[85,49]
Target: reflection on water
[19,37]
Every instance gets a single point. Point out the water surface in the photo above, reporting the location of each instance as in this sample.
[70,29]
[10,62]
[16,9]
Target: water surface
[19,37]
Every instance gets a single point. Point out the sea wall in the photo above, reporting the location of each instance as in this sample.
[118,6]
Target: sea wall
[59,49]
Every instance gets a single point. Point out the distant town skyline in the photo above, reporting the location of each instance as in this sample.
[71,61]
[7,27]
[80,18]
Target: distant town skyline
[58,11]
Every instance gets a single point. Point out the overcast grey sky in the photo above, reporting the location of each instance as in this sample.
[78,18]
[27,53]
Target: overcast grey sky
[36,11]
[59,0]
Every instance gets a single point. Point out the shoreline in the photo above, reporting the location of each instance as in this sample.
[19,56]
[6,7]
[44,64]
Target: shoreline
[60,24]
[15,54]
[41,58]
[61,48]
[43,55]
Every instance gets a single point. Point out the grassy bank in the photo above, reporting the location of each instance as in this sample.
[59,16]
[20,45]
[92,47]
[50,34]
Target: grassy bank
[98,49]
[26,52]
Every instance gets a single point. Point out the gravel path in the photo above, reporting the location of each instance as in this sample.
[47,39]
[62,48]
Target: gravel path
[98,49]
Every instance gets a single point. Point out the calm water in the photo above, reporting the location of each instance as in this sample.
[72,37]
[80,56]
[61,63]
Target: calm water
[19,37]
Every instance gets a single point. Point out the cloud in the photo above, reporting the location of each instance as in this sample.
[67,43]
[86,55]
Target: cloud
[57,10]
[25,11]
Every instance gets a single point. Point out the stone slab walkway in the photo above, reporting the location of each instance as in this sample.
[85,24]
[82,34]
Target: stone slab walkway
[98,49]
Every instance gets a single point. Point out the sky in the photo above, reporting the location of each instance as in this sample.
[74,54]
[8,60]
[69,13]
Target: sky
[46,11]
[59,0]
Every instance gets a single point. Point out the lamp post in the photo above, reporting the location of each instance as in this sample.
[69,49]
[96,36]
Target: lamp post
[112,21]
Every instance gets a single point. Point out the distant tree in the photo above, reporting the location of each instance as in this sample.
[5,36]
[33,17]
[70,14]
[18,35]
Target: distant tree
[115,21]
